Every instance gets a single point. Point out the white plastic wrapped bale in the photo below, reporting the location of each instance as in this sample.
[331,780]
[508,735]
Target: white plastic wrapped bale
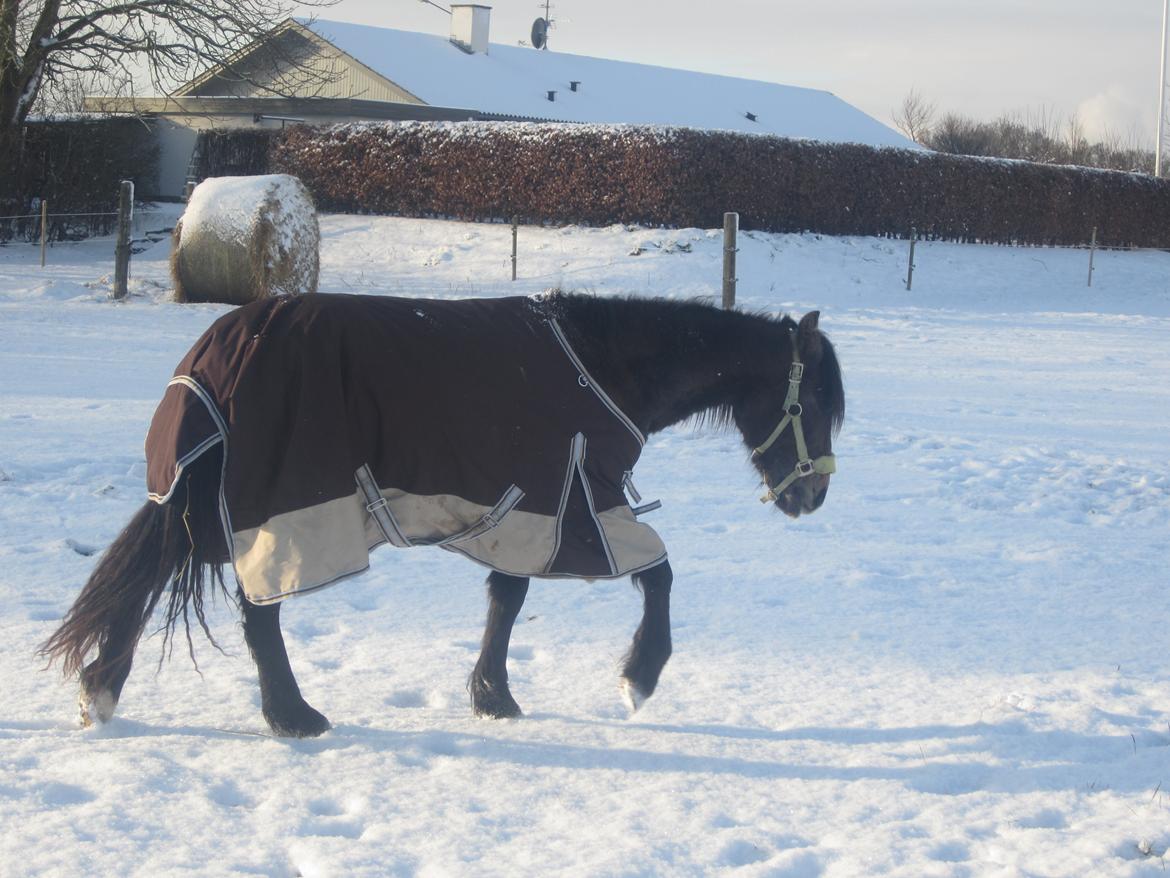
[245,238]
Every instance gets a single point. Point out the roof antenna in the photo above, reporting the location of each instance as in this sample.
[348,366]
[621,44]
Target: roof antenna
[540,27]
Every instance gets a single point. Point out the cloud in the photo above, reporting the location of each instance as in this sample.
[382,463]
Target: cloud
[1114,112]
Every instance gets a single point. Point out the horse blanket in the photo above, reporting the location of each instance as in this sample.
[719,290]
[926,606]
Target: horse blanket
[351,421]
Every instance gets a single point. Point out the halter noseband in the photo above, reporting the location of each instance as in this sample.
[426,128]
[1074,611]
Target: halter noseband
[825,465]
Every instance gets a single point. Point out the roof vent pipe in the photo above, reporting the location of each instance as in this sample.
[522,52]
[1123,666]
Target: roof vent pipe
[552,95]
[469,27]
[573,83]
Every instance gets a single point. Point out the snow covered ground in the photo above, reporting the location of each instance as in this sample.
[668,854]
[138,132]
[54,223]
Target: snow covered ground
[959,666]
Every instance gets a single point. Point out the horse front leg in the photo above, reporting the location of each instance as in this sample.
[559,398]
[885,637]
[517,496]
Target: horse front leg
[287,713]
[488,685]
[651,647]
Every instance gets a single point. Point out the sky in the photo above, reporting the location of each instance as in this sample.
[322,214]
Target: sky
[1035,59]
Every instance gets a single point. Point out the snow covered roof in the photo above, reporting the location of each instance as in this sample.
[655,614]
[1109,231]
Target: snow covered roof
[515,81]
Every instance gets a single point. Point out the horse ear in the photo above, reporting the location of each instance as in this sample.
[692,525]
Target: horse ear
[808,336]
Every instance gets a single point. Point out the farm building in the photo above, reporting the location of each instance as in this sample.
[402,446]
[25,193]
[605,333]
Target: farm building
[323,72]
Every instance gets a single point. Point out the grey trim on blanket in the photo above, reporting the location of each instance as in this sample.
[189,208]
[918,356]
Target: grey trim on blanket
[575,450]
[593,385]
[613,568]
[212,409]
[182,464]
[225,518]
[195,452]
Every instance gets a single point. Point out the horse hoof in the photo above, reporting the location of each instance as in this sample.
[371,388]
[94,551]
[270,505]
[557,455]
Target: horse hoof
[494,704]
[631,694]
[498,711]
[492,701]
[96,707]
[308,724]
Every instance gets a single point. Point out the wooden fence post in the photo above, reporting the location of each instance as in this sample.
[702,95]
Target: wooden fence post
[122,248]
[44,229]
[1092,252]
[910,269]
[515,223]
[730,230]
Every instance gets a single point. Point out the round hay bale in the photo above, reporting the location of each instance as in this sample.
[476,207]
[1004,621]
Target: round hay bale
[246,238]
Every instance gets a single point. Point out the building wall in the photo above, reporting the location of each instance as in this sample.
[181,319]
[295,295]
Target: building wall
[318,70]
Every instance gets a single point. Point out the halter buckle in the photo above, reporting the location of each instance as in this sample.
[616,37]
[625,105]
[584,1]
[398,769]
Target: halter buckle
[805,468]
[796,372]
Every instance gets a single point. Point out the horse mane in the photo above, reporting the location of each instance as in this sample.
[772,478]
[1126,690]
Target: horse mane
[605,318]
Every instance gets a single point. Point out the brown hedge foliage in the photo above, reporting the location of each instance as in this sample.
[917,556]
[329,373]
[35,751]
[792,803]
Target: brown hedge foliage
[685,177]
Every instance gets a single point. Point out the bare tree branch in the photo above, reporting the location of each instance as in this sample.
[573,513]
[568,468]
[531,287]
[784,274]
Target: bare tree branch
[47,45]
[915,117]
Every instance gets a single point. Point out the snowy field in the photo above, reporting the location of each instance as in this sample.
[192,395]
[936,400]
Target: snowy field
[959,666]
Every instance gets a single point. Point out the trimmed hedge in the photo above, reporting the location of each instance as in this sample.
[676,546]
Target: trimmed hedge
[233,152]
[77,165]
[686,177]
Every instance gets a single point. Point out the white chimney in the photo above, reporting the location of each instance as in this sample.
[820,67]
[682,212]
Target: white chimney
[469,27]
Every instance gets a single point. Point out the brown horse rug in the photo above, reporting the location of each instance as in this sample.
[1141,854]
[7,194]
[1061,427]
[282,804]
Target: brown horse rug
[351,421]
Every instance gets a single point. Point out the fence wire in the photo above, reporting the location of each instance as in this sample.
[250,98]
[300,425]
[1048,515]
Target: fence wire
[51,215]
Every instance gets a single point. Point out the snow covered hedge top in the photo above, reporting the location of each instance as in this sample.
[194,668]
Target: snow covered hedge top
[602,174]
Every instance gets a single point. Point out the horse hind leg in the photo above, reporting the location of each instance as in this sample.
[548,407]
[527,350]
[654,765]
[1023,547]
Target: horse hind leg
[488,685]
[651,647]
[286,712]
[114,605]
[103,678]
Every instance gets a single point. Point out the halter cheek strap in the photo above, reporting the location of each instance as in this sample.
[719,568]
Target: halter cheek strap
[825,465]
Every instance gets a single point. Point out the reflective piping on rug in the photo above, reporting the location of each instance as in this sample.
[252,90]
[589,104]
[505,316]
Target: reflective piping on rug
[189,382]
[181,464]
[593,510]
[576,449]
[225,518]
[194,386]
[593,385]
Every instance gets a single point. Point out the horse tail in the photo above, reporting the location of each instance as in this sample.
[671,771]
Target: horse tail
[179,544]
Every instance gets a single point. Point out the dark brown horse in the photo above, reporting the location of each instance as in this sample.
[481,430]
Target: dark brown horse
[638,365]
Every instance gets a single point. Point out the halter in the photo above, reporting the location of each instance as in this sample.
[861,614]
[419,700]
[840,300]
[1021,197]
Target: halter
[825,465]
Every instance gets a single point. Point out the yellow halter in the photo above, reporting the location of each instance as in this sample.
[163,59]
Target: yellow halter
[825,465]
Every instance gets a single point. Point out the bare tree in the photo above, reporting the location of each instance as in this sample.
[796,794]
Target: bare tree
[915,117]
[65,95]
[44,43]
[1038,136]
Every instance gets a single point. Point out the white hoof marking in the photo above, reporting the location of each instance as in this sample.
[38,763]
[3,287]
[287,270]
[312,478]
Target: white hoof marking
[631,695]
[96,707]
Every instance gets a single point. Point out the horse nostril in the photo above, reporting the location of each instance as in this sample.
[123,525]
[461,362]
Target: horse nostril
[811,499]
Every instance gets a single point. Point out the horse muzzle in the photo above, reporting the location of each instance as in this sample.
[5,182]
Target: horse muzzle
[804,496]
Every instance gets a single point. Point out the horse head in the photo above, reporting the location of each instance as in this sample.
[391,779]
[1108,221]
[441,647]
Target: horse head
[790,419]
